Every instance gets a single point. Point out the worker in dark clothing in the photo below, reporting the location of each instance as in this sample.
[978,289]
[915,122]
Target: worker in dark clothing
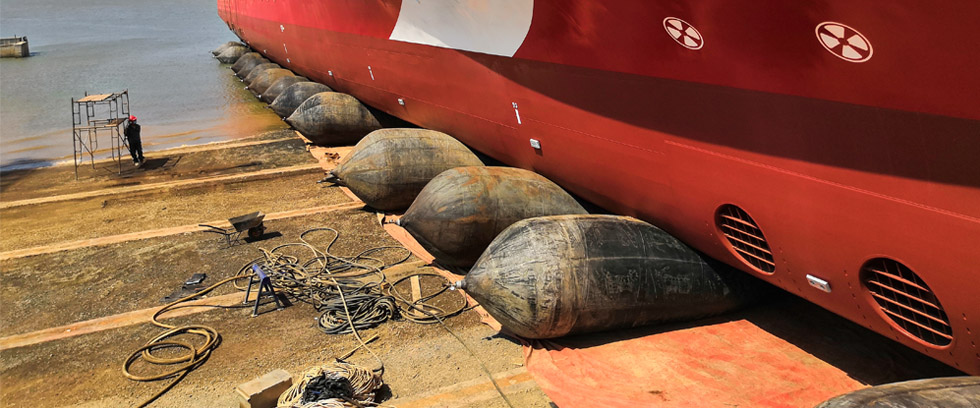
[132,133]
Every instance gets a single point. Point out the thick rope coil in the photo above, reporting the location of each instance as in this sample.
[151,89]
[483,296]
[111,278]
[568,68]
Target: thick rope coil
[336,385]
[181,365]
[367,310]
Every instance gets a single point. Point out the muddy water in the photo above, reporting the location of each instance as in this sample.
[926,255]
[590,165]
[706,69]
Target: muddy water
[158,50]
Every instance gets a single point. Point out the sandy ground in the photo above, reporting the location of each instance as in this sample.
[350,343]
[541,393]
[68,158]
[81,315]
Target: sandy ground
[135,275]
[111,215]
[54,289]
[285,149]
[118,214]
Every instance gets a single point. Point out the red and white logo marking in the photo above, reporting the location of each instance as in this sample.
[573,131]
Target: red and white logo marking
[682,32]
[844,42]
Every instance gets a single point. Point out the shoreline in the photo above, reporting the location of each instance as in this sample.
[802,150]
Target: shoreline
[101,157]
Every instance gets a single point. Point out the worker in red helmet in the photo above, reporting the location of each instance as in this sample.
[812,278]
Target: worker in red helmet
[132,133]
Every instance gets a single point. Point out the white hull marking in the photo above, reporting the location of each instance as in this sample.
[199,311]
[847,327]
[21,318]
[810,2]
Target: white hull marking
[496,27]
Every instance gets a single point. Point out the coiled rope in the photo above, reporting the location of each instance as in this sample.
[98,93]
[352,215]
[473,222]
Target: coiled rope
[296,278]
[352,293]
[339,286]
[333,386]
[195,353]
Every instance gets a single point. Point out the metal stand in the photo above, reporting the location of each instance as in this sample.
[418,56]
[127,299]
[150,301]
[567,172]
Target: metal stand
[265,289]
[86,125]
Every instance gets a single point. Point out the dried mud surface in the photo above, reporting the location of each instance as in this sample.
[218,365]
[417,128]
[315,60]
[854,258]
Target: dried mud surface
[50,290]
[66,221]
[284,149]
[84,370]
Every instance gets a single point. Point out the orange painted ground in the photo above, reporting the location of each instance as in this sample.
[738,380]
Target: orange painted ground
[782,353]
[727,364]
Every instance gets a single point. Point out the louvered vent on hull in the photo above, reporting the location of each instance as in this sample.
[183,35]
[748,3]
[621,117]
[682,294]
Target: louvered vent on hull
[907,300]
[746,238]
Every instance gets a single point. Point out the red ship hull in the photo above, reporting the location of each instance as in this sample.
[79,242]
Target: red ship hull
[842,156]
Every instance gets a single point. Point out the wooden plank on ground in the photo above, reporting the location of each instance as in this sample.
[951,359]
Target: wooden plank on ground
[416,288]
[469,393]
[328,157]
[409,242]
[163,232]
[115,321]
[305,168]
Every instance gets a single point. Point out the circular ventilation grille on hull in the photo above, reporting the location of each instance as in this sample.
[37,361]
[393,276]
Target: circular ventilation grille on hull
[746,238]
[907,300]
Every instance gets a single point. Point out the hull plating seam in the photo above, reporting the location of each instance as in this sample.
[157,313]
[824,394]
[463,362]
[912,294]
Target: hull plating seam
[828,182]
[428,102]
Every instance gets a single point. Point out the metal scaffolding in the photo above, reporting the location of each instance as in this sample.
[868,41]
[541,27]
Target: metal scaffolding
[94,114]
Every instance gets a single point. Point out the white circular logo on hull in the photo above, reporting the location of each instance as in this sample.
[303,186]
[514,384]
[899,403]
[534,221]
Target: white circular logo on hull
[682,32]
[844,42]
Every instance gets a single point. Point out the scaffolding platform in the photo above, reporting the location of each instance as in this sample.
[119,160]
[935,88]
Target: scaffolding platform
[95,114]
